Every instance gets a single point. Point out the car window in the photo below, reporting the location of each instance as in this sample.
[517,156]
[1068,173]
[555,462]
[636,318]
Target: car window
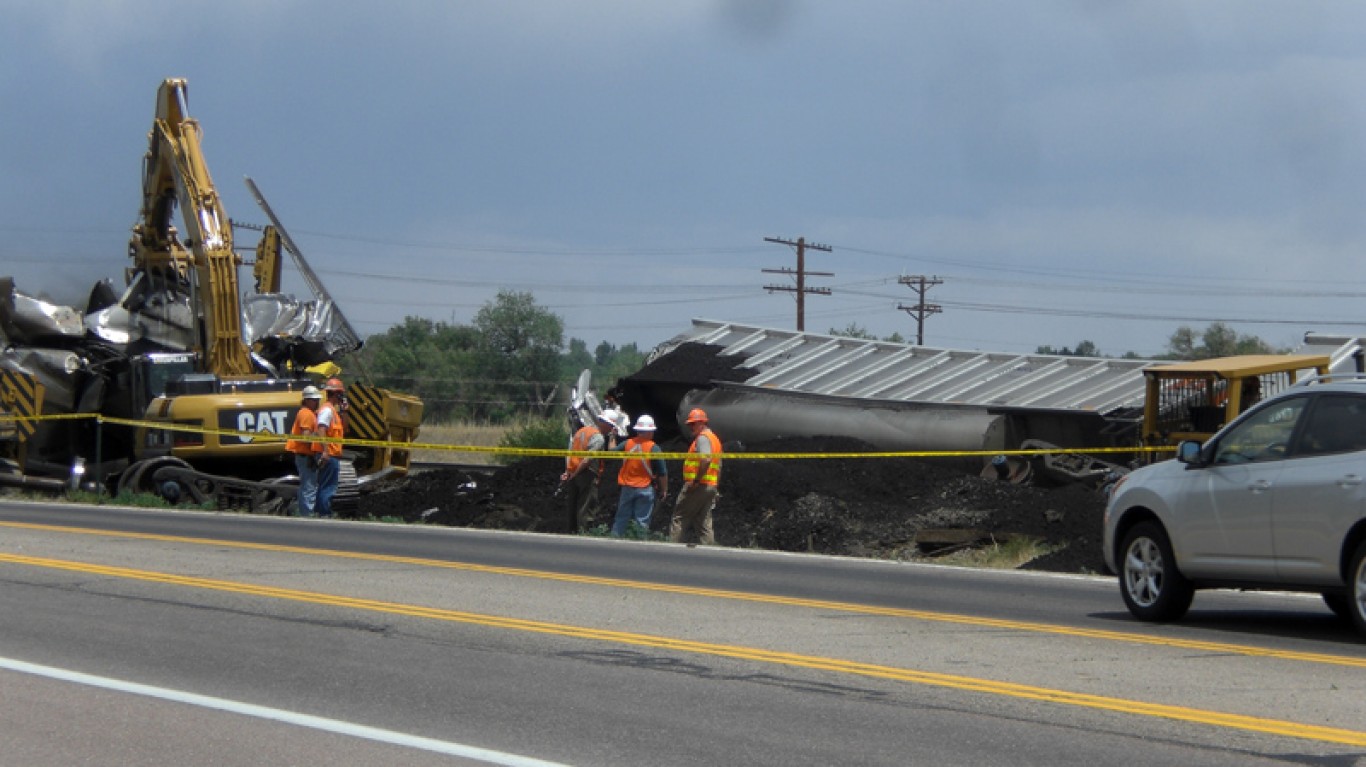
[1262,436]
[1336,423]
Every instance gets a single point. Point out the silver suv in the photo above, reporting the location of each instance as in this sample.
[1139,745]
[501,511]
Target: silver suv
[1274,500]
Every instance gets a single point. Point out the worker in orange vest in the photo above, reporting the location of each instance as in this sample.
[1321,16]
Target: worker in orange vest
[306,425]
[582,473]
[701,473]
[639,478]
[330,424]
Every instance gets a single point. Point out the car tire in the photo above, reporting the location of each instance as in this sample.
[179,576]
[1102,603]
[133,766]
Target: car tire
[1340,604]
[1153,589]
[1356,588]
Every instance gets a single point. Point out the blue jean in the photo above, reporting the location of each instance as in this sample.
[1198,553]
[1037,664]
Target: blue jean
[308,484]
[635,505]
[328,476]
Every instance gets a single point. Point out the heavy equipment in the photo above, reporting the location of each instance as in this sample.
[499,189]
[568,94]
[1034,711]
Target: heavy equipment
[1193,400]
[172,350]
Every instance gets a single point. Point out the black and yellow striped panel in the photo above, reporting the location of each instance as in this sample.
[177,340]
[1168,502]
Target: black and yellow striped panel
[21,396]
[365,412]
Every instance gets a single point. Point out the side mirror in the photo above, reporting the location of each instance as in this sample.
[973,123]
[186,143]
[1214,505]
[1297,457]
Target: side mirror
[1188,452]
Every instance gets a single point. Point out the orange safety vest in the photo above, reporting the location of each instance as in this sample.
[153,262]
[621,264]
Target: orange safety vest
[580,441]
[305,422]
[636,472]
[713,469]
[334,429]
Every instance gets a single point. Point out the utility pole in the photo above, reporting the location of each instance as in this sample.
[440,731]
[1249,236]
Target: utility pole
[920,284]
[801,290]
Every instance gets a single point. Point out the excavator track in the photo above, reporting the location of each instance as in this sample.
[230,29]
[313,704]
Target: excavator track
[346,502]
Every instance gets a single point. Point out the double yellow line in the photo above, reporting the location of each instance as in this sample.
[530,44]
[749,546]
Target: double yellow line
[1018,691]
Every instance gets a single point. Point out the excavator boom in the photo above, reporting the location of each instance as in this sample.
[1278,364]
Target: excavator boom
[203,264]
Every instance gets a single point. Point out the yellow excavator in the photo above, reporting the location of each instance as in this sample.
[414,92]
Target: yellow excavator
[219,384]
[186,362]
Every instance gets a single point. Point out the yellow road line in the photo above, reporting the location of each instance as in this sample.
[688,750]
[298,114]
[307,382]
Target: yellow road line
[850,607]
[816,604]
[950,681]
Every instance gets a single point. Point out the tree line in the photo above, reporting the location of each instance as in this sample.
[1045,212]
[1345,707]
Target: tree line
[1187,343]
[510,361]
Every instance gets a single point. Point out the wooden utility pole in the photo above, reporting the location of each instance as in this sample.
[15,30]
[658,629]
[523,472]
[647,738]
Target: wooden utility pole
[920,284]
[801,290]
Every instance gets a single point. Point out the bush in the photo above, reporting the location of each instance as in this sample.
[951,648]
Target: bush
[535,433]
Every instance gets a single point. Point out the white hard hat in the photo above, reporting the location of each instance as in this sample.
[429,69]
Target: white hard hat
[645,423]
[608,416]
[311,392]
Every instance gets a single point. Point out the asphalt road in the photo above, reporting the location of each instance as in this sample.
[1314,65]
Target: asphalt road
[147,637]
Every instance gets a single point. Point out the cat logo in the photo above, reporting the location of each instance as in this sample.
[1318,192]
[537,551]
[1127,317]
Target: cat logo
[255,421]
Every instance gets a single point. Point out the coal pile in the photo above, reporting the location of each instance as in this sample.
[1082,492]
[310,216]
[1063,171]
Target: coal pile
[659,387]
[696,364]
[876,507]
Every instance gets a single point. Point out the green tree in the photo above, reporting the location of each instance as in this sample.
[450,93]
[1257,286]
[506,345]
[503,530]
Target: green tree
[617,362]
[576,359]
[520,346]
[434,360]
[607,364]
[854,330]
[1084,349]
[1217,340]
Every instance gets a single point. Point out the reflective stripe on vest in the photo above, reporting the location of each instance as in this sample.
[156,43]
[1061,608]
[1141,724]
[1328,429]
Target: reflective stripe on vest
[635,472]
[713,470]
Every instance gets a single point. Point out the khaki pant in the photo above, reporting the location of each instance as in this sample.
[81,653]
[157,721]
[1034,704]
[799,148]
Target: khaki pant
[692,513]
[581,501]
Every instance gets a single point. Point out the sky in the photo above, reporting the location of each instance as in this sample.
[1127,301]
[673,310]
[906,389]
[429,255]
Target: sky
[1060,170]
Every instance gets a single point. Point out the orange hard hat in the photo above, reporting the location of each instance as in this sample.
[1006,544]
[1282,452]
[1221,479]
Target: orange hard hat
[697,415]
[334,384]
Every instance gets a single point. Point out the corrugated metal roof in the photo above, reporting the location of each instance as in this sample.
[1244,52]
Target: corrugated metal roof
[851,367]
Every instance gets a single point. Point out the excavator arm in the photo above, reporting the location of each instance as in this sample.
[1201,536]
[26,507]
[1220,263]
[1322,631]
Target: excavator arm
[203,264]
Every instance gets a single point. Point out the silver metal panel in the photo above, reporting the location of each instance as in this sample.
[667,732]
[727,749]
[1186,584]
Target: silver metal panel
[865,369]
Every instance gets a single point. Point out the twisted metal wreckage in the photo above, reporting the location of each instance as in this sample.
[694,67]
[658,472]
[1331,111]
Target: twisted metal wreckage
[182,346]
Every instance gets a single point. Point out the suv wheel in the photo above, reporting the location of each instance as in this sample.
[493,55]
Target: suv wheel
[1154,590]
[1340,604]
[1356,587]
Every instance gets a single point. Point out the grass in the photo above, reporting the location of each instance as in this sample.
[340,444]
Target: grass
[1001,555]
[467,434]
[634,532]
[140,500]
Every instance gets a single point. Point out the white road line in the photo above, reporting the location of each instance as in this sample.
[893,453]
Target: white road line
[289,717]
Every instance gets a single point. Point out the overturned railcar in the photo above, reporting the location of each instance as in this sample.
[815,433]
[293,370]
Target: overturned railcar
[759,384]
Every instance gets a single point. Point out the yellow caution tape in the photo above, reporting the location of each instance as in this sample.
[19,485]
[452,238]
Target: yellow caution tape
[527,452]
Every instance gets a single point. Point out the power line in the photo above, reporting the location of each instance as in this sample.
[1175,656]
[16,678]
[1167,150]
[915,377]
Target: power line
[920,310]
[801,274]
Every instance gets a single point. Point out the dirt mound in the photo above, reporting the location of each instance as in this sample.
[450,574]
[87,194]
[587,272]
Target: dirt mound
[885,508]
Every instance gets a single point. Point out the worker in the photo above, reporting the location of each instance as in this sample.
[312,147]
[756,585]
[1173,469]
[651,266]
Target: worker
[583,473]
[701,472]
[306,425]
[328,454]
[639,479]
